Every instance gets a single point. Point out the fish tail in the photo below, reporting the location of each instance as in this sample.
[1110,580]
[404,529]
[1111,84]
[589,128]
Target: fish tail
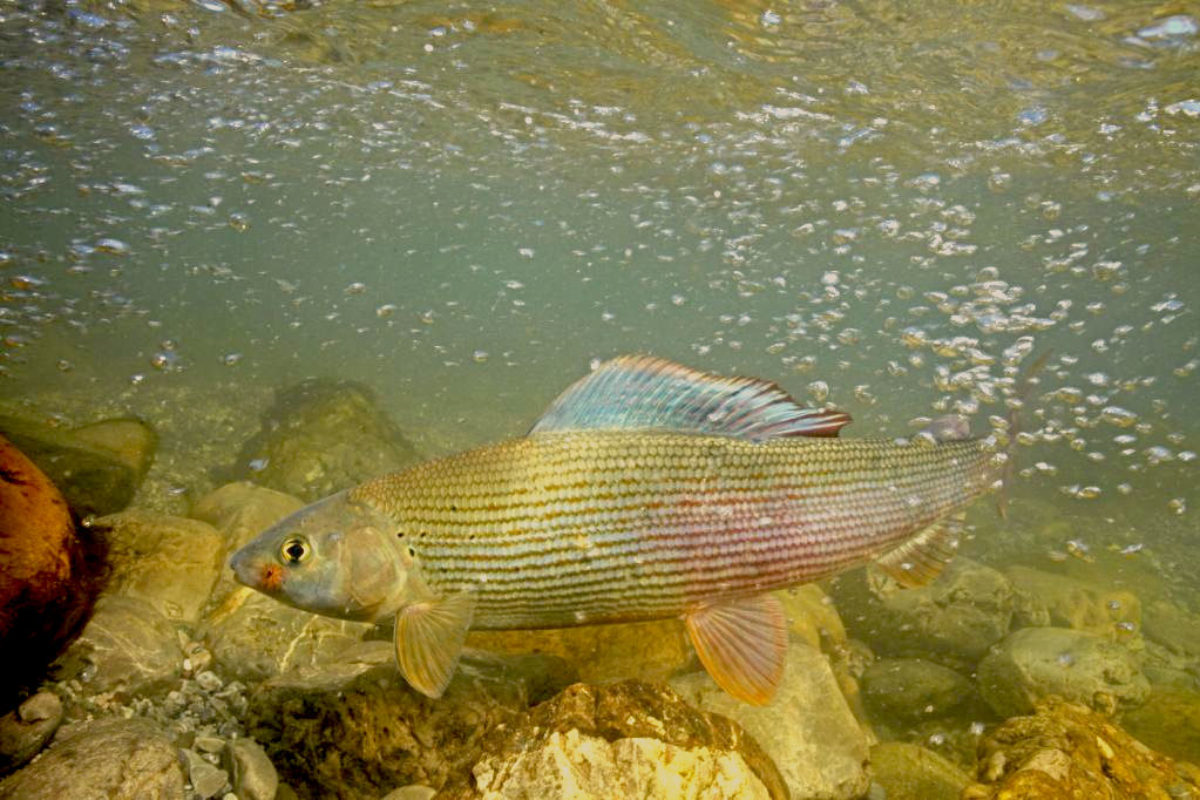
[1023,390]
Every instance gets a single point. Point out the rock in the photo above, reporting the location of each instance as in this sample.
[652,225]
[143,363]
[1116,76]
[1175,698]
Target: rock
[414,791]
[1069,751]
[629,739]
[321,436]
[812,616]
[354,729]
[808,729]
[253,637]
[241,511]
[1169,721]
[1082,667]
[253,774]
[170,562]
[653,650]
[127,648]
[912,689]
[50,573]
[98,467]
[25,730]
[1173,628]
[117,759]
[953,621]
[1167,668]
[206,778]
[1043,598]
[910,772]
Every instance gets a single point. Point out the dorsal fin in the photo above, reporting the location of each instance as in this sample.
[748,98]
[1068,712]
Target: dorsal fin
[647,392]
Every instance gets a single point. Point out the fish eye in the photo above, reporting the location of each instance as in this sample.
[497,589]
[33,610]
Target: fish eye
[295,550]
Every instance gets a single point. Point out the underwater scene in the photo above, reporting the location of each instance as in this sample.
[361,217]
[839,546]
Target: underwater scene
[716,399]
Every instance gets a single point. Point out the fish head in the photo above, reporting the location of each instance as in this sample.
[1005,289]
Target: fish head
[334,557]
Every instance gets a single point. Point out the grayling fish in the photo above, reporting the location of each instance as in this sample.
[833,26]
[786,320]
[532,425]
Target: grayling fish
[647,490]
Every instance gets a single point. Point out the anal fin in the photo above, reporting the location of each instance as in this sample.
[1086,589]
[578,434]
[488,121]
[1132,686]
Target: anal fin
[742,644]
[922,558]
[429,640]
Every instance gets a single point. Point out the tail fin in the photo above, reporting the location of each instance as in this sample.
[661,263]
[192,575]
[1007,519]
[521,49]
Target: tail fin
[1023,390]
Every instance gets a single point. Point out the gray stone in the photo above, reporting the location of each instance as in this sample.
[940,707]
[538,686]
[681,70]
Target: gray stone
[808,729]
[253,637]
[170,562]
[912,689]
[1082,667]
[127,648]
[254,776]
[206,778]
[115,759]
[413,791]
[25,730]
[97,467]
[1044,598]
[911,772]
[629,739]
[321,436]
[1173,628]
[953,620]
[355,729]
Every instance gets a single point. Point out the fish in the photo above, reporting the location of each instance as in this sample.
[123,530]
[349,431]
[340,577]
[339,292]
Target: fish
[646,490]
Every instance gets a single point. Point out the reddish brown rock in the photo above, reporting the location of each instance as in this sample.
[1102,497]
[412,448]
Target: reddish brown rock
[48,572]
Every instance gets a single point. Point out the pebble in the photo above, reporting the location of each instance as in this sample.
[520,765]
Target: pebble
[209,681]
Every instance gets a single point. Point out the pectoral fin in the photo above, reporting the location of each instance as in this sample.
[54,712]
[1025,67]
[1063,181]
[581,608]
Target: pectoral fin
[742,644]
[429,640]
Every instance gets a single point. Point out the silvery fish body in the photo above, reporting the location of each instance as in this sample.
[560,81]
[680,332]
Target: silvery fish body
[560,529]
[647,490]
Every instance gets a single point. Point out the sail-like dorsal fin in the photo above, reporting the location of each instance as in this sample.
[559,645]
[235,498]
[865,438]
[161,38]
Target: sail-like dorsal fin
[647,392]
[922,558]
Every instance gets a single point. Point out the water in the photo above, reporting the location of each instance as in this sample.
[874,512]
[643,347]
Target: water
[892,210]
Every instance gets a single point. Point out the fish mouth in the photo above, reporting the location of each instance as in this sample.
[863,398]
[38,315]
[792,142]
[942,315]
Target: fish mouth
[243,569]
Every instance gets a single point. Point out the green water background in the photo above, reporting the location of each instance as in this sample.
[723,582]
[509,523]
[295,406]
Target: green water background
[464,206]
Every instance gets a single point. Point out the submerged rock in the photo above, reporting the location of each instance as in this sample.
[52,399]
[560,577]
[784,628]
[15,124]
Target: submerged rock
[808,729]
[355,729]
[629,739]
[25,730]
[1034,663]
[127,647]
[98,467]
[1068,751]
[250,769]
[321,436]
[912,689]
[118,759]
[50,573]
[653,650]
[953,620]
[1169,721]
[1173,628]
[911,772]
[170,562]
[253,637]
[1043,598]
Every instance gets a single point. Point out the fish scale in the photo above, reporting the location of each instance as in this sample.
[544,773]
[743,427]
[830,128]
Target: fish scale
[608,526]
